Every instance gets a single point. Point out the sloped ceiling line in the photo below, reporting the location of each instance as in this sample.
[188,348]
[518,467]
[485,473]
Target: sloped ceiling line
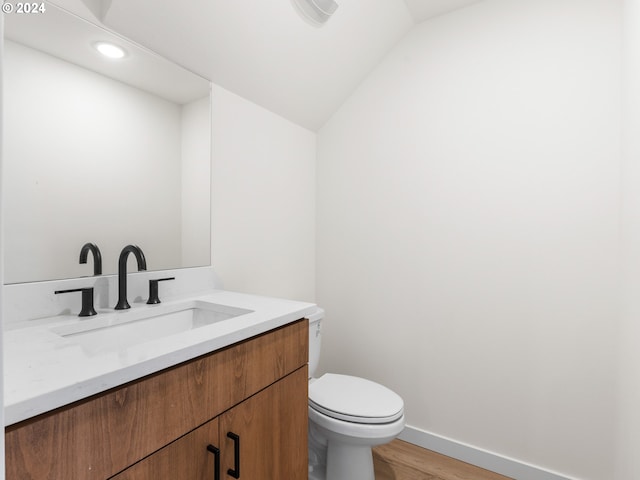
[263,51]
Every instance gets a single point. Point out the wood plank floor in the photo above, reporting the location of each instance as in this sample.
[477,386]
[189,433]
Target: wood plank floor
[400,460]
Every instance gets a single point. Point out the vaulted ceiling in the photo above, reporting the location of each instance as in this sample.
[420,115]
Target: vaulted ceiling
[263,50]
[424,9]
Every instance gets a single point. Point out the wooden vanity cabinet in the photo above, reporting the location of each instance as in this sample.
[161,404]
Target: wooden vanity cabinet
[268,428]
[186,458]
[160,427]
[272,430]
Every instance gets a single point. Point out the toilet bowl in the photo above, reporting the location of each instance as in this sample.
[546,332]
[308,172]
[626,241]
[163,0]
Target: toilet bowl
[347,417]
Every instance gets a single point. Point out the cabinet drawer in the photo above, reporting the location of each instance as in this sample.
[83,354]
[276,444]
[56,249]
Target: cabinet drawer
[186,458]
[101,436]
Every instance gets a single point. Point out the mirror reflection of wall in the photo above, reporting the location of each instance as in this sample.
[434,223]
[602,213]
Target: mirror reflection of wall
[91,159]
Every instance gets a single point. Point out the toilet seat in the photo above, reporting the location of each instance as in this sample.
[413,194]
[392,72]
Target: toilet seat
[355,400]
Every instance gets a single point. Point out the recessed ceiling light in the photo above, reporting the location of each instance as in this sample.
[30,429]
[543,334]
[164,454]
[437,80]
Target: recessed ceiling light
[318,11]
[110,50]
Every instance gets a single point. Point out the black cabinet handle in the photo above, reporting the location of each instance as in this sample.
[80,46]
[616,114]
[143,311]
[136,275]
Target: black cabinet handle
[216,461]
[235,472]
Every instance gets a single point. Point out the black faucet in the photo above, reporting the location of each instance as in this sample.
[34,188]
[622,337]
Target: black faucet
[97,257]
[123,304]
[153,289]
[87,300]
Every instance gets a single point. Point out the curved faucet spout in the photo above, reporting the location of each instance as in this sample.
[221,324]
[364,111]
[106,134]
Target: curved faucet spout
[123,304]
[97,257]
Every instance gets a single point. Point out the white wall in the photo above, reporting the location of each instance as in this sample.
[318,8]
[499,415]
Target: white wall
[628,461]
[196,182]
[468,215]
[263,200]
[60,119]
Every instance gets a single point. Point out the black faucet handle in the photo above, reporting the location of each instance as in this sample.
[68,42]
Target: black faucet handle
[153,289]
[87,300]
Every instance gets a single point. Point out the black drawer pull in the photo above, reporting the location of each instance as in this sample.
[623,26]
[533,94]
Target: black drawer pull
[235,472]
[216,464]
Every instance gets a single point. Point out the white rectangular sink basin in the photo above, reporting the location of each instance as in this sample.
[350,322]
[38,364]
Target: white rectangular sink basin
[120,331]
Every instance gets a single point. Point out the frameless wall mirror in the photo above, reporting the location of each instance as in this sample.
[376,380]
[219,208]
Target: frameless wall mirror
[97,149]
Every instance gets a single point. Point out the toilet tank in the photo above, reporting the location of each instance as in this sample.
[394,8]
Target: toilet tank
[315,338]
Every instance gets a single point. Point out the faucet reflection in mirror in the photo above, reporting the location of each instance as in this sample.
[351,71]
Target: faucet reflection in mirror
[97,257]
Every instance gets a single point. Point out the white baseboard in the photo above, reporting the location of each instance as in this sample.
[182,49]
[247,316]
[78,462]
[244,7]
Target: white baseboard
[475,456]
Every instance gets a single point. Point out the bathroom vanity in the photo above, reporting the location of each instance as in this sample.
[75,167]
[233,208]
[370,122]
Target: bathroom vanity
[239,411]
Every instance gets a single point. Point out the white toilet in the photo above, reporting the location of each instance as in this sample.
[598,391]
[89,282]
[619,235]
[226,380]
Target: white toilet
[347,416]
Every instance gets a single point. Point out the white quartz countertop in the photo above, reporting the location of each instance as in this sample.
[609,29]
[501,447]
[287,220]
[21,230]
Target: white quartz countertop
[45,370]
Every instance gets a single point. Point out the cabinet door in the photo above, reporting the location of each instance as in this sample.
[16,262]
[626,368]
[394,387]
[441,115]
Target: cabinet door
[186,459]
[271,429]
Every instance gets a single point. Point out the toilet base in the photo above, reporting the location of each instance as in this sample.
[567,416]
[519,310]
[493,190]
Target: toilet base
[343,449]
[317,474]
[344,462]
[348,462]
[338,457]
